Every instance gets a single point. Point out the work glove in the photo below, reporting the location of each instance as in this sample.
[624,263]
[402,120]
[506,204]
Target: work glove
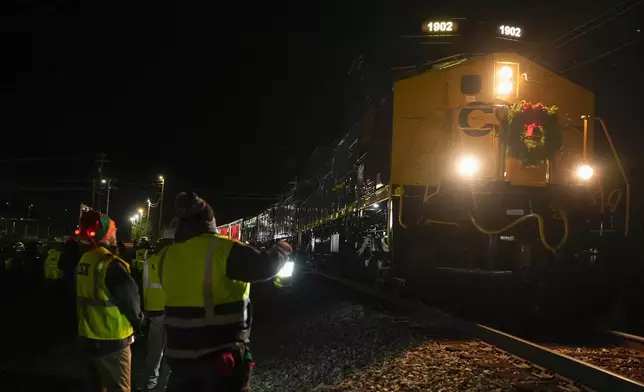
[281,249]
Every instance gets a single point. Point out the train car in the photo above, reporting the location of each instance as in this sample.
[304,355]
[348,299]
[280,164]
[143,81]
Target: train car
[473,183]
[235,230]
[223,230]
[249,230]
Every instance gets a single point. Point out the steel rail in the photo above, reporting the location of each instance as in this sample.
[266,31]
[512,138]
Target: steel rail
[628,336]
[573,369]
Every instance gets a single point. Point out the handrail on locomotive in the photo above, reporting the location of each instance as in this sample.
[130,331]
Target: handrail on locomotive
[622,171]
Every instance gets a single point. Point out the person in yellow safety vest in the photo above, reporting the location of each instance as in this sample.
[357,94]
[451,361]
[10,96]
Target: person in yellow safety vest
[141,256]
[13,263]
[54,288]
[206,280]
[108,306]
[51,265]
[154,308]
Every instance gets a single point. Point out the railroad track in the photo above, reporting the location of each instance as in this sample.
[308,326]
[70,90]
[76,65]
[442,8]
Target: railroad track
[615,351]
[522,374]
[616,366]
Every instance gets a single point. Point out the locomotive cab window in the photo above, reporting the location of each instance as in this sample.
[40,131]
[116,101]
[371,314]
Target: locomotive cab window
[471,84]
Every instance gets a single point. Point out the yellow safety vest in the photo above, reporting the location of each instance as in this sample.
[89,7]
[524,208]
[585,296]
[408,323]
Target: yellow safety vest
[141,256]
[51,265]
[8,262]
[153,295]
[205,310]
[98,316]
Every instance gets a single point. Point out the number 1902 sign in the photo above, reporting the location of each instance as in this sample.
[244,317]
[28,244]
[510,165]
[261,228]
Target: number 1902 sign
[510,31]
[440,27]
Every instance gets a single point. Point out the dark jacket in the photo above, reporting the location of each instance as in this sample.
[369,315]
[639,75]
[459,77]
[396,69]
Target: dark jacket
[246,264]
[125,294]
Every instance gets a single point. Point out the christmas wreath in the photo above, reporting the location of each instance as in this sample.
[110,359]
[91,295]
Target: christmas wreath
[534,134]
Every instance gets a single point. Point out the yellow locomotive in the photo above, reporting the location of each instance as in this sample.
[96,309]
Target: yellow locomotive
[494,183]
[453,115]
[473,182]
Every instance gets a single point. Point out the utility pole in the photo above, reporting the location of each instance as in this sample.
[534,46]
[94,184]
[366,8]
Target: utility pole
[147,219]
[101,161]
[109,187]
[108,182]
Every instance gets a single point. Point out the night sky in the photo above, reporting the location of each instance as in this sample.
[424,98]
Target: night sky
[231,100]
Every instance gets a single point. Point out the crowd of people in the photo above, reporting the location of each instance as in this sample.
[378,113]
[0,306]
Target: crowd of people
[187,299]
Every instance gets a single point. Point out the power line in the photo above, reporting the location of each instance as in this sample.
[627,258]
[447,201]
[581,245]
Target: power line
[590,21]
[600,24]
[600,56]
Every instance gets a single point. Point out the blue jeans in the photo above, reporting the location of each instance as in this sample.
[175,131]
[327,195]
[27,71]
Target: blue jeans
[153,359]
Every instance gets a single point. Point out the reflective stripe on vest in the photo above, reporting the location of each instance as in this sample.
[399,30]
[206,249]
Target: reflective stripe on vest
[210,317]
[185,354]
[194,330]
[146,276]
[98,317]
[153,295]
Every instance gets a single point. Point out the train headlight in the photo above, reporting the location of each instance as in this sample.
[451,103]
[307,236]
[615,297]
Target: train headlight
[504,87]
[467,166]
[505,80]
[585,172]
[505,72]
[287,270]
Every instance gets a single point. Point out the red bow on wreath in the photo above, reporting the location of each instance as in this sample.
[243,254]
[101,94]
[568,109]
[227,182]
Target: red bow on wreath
[530,130]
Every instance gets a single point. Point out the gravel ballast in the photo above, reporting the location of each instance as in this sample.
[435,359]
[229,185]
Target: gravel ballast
[322,337]
[624,361]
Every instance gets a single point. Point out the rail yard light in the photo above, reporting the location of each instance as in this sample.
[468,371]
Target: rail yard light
[585,172]
[505,80]
[467,166]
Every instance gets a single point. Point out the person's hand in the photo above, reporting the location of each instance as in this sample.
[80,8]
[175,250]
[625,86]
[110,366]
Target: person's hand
[144,328]
[281,250]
